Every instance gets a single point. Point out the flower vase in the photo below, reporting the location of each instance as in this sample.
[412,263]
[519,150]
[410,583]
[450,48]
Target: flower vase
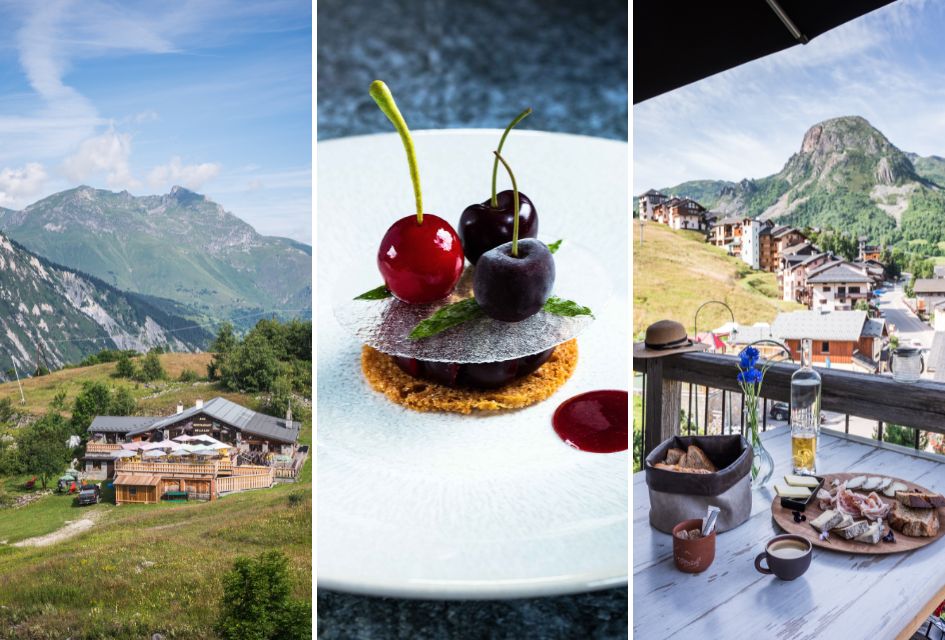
[762,464]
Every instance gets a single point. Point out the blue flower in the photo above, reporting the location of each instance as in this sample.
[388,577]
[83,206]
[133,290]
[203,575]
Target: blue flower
[750,376]
[748,357]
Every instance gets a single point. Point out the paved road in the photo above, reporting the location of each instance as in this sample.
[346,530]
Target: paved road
[907,325]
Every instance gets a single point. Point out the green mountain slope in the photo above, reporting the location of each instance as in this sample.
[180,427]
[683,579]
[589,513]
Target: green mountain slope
[847,175]
[180,246]
[674,272]
[54,315]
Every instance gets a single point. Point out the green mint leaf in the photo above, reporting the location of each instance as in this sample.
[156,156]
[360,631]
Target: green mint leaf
[568,308]
[554,246]
[379,293]
[446,317]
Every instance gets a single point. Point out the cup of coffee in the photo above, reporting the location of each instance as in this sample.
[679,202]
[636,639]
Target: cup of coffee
[692,552]
[787,556]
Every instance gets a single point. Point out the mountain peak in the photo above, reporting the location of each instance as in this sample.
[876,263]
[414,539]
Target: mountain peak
[846,132]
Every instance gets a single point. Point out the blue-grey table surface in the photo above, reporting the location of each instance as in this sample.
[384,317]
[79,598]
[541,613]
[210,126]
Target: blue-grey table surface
[474,64]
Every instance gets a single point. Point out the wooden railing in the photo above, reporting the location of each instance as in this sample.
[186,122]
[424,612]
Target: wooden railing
[919,405]
[250,469]
[246,482]
[101,447]
[202,468]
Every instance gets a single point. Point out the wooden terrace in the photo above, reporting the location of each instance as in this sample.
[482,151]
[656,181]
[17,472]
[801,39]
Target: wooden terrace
[842,595]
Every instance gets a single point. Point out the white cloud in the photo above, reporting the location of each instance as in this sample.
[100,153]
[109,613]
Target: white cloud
[17,185]
[191,176]
[747,121]
[106,154]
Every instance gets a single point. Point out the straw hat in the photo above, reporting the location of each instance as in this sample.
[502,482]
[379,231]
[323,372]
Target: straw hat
[665,338]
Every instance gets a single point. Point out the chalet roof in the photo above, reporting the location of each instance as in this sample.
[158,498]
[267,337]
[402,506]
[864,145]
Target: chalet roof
[844,326]
[238,416]
[874,328]
[864,362]
[120,424]
[838,272]
[137,479]
[929,285]
[797,248]
[777,232]
[730,220]
[746,334]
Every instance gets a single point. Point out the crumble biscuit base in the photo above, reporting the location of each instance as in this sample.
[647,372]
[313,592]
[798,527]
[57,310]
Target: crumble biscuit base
[383,374]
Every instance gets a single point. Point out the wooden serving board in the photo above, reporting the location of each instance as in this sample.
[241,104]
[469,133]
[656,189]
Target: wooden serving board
[785,519]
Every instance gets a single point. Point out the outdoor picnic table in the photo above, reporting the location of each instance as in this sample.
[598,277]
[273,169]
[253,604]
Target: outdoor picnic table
[842,595]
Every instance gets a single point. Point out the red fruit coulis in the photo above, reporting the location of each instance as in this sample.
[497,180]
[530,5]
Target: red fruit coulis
[595,421]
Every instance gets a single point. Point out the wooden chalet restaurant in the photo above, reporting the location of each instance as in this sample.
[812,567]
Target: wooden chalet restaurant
[209,450]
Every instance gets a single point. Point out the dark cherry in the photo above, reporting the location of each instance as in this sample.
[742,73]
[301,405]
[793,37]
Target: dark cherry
[512,288]
[483,227]
[478,375]
[420,261]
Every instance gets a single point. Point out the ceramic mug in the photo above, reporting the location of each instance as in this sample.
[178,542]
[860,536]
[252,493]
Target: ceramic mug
[787,557]
[693,556]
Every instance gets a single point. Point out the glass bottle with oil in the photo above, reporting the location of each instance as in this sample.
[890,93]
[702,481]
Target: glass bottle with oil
[805,414]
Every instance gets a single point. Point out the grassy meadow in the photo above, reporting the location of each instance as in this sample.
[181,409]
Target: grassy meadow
[674,272]
[141,569]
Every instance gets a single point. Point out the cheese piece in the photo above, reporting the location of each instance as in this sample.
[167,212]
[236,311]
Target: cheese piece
[871,483]
[827,520]
[884,484]
[800,493]
[845,522]
[856,529]
[802,481]
[871,535]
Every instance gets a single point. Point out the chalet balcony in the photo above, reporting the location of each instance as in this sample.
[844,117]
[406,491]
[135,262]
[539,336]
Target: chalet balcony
[697,393]
[101,447]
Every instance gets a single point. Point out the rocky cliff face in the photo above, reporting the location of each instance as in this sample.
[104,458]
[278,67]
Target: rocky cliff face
[846,175]
[52,315]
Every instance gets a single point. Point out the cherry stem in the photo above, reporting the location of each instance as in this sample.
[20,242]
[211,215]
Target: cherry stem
[515,203]
[495,165]
[385,100]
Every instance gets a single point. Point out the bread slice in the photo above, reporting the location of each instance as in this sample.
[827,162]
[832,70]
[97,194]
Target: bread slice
[920,499]
[696,459]
[871,535]
[677,469]
[674,455]
[858,528]
[894,488]
[827,520]
[919,523]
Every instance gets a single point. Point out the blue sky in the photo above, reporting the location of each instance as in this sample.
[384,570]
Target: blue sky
[888,66]
[213,95]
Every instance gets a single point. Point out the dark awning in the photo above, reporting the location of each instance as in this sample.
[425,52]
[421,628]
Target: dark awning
[675,43]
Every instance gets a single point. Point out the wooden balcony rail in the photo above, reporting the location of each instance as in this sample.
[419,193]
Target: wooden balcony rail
[167,467]
[246,482]
[101,447]
[920,405]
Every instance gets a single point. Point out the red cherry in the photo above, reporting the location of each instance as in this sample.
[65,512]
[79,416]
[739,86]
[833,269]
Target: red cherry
[420,261]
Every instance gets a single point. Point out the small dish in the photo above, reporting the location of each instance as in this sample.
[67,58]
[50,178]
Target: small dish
[796,504]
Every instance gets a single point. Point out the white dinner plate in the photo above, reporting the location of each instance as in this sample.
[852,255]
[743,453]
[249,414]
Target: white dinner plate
[445,506]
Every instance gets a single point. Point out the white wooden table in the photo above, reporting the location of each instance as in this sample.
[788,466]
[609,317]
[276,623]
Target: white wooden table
[841,596]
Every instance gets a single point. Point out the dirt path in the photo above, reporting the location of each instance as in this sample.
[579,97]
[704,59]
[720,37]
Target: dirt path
[72,528]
